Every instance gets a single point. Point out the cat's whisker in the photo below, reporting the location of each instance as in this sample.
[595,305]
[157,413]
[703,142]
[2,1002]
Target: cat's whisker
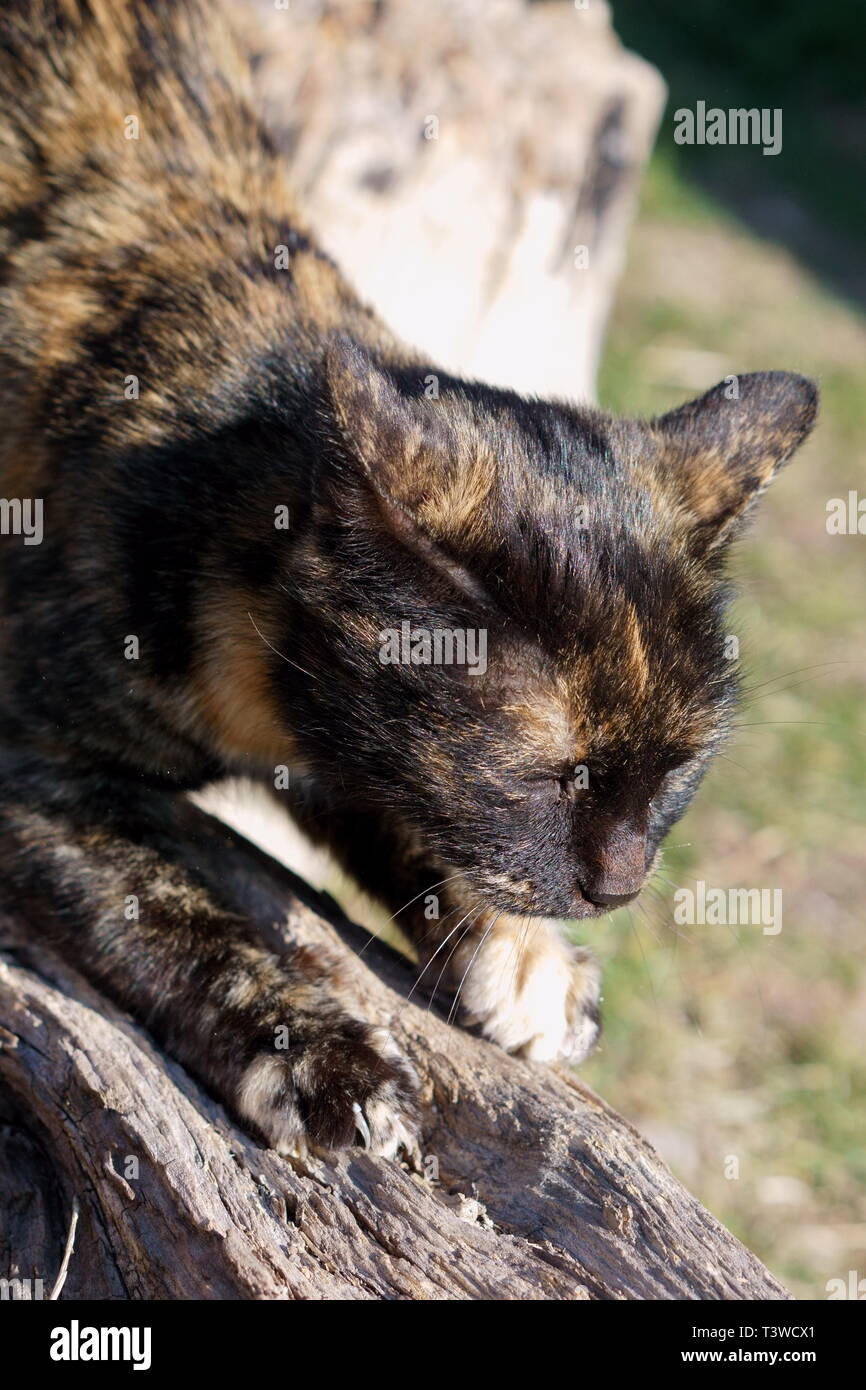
[453,1010]
[281,655]
[662,901]
[423,893]
[396,914]
[797,671]
[643,957]
[440,923]
[517,947]
[452,952]
[755,976]
[642,907]
[440,947]
[812,723]
[728,759]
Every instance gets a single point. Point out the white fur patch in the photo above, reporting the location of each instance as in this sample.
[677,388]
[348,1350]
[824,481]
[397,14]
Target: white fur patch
[390,1131]
[530,992]
[261,1097]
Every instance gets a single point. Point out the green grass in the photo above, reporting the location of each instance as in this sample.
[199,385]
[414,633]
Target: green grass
[722,1042]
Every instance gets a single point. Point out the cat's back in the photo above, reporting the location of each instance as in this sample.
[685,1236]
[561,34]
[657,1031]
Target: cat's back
[77,77]
[141,202]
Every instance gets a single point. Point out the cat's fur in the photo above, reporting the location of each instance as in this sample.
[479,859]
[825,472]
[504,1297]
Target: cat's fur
[588,549]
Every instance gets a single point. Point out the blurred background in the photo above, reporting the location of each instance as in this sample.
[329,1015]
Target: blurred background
[720,1041]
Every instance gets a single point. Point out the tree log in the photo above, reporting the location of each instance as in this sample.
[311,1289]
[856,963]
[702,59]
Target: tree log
[528,1185]
[472,168]
[454,158]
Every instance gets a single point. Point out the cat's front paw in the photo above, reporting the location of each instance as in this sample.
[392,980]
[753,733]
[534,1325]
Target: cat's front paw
[348,1085]
[532,993]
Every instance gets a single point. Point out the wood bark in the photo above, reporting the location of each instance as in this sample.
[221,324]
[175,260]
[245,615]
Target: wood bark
[528,1186]
[454,158]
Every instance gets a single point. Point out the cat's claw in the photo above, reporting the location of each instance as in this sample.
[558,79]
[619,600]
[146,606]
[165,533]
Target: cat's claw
[303,1103]
[363,1127]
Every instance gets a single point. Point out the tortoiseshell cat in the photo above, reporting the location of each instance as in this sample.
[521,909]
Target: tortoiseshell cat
[167,393]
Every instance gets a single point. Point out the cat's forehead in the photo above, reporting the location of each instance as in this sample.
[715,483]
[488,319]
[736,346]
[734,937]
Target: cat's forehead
[581,584]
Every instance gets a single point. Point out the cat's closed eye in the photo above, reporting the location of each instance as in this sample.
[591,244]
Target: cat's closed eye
[565,782]
[571,782]
[674,760]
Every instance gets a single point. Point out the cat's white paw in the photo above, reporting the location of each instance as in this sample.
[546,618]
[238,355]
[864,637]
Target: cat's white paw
[532,993]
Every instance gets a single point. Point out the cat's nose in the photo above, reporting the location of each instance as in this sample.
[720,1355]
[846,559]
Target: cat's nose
[616,873]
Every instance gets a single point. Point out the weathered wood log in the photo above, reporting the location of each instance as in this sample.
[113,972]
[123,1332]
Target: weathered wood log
[453,158]
[472,168]
[529,1186]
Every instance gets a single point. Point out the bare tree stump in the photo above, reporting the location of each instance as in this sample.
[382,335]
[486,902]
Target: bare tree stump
[473,168]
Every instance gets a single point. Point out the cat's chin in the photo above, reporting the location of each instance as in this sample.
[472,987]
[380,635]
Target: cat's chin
[582,908]
[575,910]
[579,909]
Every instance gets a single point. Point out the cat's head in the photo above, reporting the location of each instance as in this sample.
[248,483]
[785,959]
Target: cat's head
[570,566]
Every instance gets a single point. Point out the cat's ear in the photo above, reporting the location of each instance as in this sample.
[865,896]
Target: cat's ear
[401,439]
[415,459]
[719,452]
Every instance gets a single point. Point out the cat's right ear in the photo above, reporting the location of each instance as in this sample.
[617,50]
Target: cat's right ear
[412,462]
[721,451]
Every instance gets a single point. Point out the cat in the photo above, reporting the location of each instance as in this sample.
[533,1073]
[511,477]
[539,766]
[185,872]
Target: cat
[245,484]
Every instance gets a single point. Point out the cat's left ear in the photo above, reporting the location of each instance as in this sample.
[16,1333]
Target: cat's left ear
[721,451]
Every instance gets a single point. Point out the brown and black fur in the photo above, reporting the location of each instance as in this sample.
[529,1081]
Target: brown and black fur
[589,549]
